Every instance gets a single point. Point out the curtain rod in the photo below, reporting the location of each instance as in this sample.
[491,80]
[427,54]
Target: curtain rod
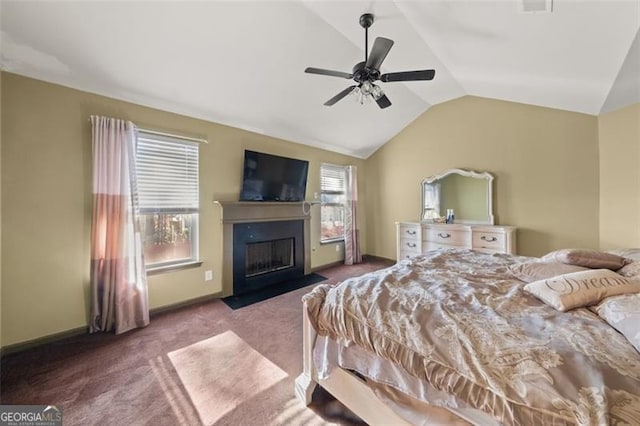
[170,135]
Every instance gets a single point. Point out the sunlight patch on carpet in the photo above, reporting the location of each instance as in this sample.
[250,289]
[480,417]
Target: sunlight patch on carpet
[182,409]
[222,372]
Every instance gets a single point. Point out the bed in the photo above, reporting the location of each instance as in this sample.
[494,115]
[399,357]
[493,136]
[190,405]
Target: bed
[452,337]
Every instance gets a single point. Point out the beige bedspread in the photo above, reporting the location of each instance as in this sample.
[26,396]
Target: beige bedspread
[459,320]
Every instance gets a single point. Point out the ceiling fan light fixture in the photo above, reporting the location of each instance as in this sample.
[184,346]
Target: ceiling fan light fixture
[377,92]
[356,94]
[359,95]
[366,87]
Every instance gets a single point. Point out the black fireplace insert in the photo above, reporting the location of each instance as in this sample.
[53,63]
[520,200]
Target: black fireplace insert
[266,254]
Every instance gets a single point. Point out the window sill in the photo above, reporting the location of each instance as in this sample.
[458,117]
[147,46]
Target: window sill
[173,267]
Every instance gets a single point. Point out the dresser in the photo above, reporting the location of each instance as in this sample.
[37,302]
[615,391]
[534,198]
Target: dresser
[415,238]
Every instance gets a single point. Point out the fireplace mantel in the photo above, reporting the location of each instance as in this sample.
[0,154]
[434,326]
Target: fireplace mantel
[233,212]
[260,211]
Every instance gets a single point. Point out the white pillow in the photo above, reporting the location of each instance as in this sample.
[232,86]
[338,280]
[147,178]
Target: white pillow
[628,253]
[630,270]
[623,314]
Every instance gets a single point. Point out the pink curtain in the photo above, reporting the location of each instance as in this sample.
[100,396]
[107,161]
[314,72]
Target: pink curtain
[119,299]
[351,239]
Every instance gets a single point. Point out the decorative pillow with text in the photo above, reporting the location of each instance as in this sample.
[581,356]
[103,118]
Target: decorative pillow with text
[584,288]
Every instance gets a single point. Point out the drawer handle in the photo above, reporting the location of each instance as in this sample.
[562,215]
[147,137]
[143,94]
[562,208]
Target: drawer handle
[411,232]
[441,235]
[489,240]
[412,245]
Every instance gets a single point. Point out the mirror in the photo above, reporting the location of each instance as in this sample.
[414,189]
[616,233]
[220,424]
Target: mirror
[468,193]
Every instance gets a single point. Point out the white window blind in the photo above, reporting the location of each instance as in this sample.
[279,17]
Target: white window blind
[167,170]
[332,198]
[332,179]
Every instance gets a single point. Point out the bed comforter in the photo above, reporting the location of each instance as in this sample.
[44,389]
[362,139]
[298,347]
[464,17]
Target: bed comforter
[459,320]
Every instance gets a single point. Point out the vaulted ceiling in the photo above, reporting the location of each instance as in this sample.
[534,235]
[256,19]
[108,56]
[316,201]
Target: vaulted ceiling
[241,63]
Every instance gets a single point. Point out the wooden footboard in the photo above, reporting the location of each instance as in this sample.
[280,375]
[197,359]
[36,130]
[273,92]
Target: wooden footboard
[347,388]
[306,382]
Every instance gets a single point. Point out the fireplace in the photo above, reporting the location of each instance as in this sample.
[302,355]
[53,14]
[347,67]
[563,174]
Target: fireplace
[266,253]
[264,244]
[268,256]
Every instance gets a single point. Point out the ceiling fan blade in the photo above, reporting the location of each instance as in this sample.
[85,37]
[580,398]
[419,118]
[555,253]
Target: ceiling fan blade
[379,51]
[408,76]
[383,102]
[331,73]
[339,96]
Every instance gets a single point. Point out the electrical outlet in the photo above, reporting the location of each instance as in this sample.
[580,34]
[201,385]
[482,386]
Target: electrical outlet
[337,247]
[208,275]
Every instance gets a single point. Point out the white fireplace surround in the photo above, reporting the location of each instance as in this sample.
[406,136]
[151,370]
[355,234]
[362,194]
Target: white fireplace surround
[233,212]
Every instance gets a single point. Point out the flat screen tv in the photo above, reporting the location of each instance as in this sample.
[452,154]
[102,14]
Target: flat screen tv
[272,178]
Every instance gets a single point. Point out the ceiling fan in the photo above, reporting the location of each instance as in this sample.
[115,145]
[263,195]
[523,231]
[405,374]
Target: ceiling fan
[367,72]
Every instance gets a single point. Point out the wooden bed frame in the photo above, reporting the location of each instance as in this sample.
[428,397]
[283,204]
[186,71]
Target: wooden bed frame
[346,387]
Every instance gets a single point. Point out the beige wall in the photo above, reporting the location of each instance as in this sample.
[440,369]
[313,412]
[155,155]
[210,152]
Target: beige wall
[46,202]
[545,164]
[564,179]
[619,137]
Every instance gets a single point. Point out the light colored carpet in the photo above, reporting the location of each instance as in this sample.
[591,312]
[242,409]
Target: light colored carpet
[222,372]
[129,379]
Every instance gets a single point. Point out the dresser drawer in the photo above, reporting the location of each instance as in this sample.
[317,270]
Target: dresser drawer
[409,245]
[452,237]
[493,241]
[409,233]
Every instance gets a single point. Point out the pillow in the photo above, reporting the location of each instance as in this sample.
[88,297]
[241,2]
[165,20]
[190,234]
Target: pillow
[627,253]
[623,314]
[583,288]
[535,271]
[630,270]
[588,258]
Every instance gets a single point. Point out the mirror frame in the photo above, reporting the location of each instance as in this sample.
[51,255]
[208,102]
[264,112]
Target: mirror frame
[468,173]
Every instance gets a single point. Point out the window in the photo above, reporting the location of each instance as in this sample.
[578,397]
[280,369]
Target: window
[332,202]
[167,173]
